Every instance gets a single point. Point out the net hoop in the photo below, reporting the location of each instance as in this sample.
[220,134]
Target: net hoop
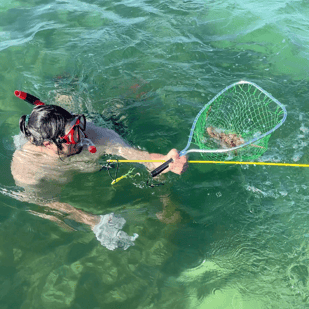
[254,140]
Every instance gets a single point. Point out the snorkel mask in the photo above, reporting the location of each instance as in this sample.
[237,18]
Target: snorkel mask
[76,135]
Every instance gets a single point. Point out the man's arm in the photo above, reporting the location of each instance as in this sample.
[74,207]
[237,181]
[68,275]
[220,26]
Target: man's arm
[109,142]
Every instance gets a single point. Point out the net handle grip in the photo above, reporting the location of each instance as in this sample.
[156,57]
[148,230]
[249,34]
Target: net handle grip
[161,168]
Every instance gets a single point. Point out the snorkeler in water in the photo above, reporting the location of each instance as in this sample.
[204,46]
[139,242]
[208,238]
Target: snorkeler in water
[55,146]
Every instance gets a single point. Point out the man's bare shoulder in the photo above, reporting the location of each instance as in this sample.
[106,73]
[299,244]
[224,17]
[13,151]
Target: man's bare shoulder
[105,138]
[29,166]
[23,171]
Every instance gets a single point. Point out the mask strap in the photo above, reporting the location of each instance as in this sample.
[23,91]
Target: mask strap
[27,120]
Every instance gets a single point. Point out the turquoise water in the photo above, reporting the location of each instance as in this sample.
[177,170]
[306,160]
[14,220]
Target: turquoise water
[232,237]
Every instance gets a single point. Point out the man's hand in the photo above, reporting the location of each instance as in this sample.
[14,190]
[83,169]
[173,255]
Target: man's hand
[179,164]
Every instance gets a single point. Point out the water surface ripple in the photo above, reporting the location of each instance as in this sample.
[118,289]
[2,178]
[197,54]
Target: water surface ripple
[228,236]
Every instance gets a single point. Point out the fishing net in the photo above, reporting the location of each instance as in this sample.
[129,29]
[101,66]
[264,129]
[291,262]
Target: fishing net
[237,123]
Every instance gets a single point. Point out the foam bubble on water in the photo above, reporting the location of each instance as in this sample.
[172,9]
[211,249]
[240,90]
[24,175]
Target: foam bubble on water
[256,190]
[19,140]
[283,193]
[244,166]
[304,129]
[109,234]
[297,156]
[218,194]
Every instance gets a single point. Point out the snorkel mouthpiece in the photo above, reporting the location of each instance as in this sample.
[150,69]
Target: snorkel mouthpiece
[89,143]
[92,149]
[28,97]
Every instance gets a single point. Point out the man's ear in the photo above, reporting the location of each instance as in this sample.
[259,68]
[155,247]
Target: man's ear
[47,144]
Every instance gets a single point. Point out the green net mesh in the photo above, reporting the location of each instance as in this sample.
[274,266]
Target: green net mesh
[238,115]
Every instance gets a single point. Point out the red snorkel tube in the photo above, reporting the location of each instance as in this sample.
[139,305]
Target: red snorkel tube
[28,98]
[36,101]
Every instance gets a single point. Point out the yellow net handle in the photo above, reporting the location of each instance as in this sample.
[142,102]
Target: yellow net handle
[214,162]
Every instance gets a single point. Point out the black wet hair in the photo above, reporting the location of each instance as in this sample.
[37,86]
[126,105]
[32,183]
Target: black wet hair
[46,123]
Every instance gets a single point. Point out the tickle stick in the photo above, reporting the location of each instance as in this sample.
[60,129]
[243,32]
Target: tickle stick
[214,162]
